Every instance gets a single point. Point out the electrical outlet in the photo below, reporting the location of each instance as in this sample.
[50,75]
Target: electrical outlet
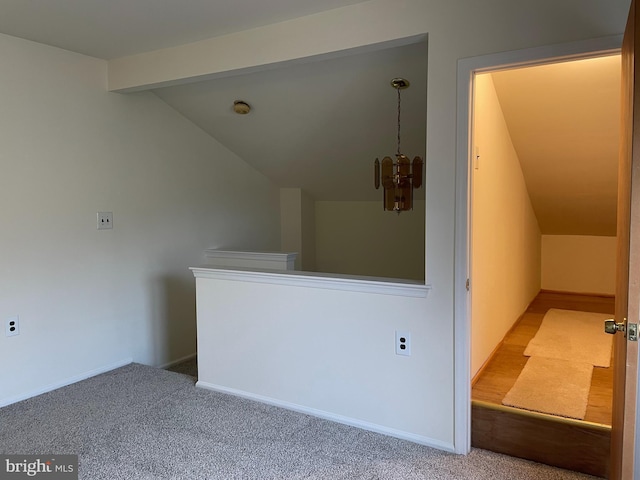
[403,343]
[105,220]
[12,326]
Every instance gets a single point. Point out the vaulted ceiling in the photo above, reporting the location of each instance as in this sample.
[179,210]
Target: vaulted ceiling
[564,121]
[319,124]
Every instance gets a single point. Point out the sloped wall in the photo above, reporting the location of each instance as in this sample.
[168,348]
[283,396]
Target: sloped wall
[505,258]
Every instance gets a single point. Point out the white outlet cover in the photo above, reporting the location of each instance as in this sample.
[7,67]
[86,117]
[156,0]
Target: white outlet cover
[403,343]
[12,323]
[105,220]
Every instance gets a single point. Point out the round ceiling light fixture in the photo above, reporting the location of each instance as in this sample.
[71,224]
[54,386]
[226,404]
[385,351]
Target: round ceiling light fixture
[241,108]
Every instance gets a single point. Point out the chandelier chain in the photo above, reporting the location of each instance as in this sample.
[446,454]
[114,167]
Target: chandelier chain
[398,121]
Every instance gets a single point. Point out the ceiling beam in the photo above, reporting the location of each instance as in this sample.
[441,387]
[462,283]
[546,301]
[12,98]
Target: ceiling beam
[343,31]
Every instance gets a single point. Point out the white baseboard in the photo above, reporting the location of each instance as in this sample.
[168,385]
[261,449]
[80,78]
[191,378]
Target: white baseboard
[164,366]
[354,422]
[63,383]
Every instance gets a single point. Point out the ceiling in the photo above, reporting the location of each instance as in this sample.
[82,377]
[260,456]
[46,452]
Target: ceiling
[320,124]
[564,121]
[117,28]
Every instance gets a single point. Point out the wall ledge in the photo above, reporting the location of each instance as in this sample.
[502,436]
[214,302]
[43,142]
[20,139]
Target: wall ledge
[244,255]
[252,260]
[374,285]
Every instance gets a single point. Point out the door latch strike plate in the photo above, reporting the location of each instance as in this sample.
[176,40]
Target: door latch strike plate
[632,332]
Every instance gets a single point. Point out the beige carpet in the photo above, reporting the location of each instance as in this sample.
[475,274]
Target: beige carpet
[140,422]
[572,335]
[554,386]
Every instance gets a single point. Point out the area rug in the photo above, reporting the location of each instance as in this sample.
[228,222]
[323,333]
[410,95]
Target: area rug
[550,385]
[572,335]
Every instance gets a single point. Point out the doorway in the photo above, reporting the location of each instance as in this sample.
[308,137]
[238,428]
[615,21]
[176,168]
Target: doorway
[543,242]
[466,167]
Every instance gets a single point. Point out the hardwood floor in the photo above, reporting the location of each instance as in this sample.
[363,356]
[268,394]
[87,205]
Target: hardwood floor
[501,372]
[573,444]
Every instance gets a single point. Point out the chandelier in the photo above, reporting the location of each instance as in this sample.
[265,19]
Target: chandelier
[399,177]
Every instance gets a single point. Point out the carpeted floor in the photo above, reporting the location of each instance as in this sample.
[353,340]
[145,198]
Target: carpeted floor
[139,422]
[188,367]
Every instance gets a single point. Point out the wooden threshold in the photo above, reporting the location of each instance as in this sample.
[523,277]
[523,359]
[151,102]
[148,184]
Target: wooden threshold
[572,444]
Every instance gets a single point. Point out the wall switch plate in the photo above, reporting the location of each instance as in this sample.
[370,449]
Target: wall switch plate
[12,326]
[105,220]
[403,343]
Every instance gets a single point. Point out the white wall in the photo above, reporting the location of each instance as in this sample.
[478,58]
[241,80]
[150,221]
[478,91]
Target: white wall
[505,238]
[308,231]
[579,263]
[297,226]
[91,299]
[317,350]
[360,238]
[291,223]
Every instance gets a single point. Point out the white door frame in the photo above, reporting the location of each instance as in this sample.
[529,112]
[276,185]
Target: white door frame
[467,68]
